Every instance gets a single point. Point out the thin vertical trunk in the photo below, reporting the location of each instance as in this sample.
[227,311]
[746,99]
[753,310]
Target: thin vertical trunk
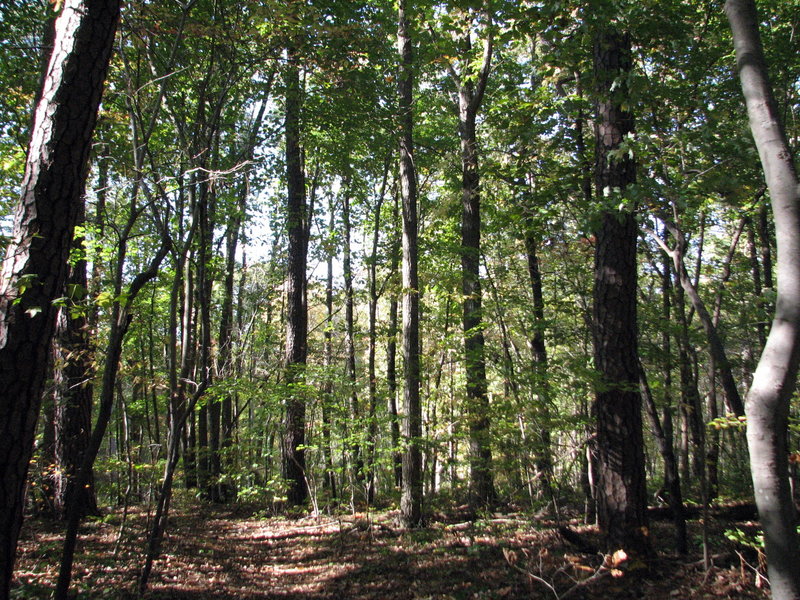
[187,360]
[411,496]
[391,360]
[544,460]
[225,360]
[327,387]
[691,414]
[120,322]
[350,340]
[716,347]
[672,482]
[374,296]
[588,460]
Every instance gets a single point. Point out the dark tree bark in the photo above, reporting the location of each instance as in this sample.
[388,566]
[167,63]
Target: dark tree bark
[775,378]
[470,98]
[187,359]
[209,414]
[411,495]
[35,266]
[73,376]
[621,493]
[293,458]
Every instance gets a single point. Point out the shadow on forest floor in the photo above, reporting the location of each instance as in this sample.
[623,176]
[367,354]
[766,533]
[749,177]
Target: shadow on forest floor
[228,554]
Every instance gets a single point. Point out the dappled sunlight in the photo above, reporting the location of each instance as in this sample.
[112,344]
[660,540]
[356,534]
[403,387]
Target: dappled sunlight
[218,552]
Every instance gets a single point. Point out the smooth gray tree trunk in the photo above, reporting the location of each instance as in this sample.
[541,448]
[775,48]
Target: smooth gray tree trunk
[767,403]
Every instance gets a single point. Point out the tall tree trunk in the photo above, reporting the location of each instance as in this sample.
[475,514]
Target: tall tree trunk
[374,296]
[411,496]
[391,359]
[187,360]
[774,381]
[73,375]
[712,438]
[672,482]
[225,360]
[470,97]
[209,415]
[538,348]
[35,266]
[293,458]
[622,497]
[327,387]
[350,339]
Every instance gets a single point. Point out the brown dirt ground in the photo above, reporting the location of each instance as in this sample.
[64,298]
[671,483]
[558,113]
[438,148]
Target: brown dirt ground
[235,553]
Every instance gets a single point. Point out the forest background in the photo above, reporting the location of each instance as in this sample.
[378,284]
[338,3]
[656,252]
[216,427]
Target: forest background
[248,211]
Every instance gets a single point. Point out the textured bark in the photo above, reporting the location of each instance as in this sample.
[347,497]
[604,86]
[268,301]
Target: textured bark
[35,266]
[621,493]
[470,97]
[73,376]
[411,493]
[293,458]
[774,381]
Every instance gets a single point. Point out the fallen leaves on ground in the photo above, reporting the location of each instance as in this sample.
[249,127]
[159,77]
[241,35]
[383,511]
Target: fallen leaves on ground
[232,553]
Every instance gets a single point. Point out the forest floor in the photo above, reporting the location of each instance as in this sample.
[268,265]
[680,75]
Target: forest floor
[237,552]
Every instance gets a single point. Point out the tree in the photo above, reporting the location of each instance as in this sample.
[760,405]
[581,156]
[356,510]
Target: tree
[293,452]
[73,373]
[35,266]
[767,403]
[621,493]
[411,498]
[471,91]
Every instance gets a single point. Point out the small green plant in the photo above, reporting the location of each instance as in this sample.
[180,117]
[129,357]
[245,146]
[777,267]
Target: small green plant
[749,540]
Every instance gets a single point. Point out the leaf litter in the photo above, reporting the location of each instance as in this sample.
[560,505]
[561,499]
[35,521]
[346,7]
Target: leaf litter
[236,553]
